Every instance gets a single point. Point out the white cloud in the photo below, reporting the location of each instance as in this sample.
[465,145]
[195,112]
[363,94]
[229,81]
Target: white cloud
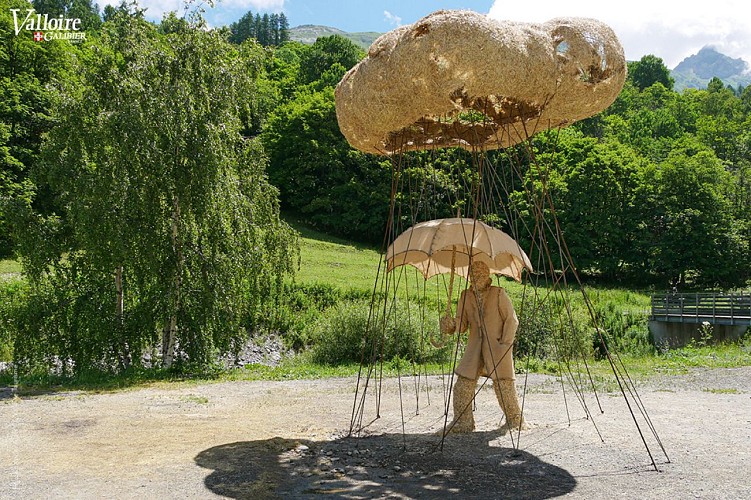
[394,20]
[671,31]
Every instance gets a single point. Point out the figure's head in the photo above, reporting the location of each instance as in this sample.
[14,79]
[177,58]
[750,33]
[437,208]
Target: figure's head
[479,274]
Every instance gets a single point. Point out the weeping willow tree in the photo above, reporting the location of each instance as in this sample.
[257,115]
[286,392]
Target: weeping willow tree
[172,233]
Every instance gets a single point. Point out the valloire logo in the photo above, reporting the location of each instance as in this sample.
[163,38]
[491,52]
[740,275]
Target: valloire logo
[47,28]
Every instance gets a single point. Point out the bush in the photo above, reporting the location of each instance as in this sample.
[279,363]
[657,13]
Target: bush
[349,333]
[297,306]
[534,337]
[12,295]
[622,333]
[559,328]
[551,329]
[66,325]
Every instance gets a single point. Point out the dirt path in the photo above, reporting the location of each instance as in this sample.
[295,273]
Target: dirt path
[284,439]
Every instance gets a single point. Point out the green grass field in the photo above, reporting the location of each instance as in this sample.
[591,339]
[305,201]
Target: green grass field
[330,260]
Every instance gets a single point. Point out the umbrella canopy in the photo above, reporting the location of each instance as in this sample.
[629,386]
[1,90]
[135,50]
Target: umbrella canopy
[433,246]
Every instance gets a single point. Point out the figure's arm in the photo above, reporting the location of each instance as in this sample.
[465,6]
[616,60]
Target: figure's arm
[459,324]
[511,322]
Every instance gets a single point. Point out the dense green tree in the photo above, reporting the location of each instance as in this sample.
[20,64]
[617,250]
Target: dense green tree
[693,225]
[324,54]
[649,70]
[171,23]
[268,30]
[597,208]
[85,10]
[243,28]
[125,7]
[264,34]
[333,186]
[283,29]
[336,188]
[283,66]
[172,226]
[27,69]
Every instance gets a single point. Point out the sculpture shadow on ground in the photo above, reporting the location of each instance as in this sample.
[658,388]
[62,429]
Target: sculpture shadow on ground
[387,465]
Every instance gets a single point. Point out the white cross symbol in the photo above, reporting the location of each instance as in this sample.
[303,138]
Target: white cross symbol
[38,36]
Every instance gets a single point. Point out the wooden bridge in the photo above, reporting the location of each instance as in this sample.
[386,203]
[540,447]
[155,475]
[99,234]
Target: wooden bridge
[713,308]
[677,317]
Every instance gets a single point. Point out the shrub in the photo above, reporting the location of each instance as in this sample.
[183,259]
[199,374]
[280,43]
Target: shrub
[349,332]
[622,333]
[551,328]
[12,294]
[534,337]
[298,306]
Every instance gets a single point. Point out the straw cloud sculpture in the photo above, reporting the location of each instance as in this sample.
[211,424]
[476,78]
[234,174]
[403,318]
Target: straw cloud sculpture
[461,79]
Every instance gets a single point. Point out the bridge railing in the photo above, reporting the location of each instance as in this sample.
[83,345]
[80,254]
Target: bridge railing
[714,308]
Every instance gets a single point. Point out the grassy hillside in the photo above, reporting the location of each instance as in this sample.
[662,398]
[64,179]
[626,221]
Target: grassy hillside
[337,262]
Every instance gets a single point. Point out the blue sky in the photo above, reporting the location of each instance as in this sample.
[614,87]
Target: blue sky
[668,30]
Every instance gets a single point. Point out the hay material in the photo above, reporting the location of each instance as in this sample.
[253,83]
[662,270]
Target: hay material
[505,392]
[459,78]
[464,394]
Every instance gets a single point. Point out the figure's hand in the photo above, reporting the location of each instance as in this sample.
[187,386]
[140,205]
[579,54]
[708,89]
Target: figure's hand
[448,325]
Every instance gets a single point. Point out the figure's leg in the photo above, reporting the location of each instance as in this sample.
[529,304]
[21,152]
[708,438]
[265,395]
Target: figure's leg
[464,393]
[505,391]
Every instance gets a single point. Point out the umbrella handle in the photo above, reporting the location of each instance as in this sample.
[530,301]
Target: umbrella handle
[453,266]
[451,280]
[440,343]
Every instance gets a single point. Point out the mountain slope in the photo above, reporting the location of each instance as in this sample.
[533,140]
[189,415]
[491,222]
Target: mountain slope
[697,70]
[308,33]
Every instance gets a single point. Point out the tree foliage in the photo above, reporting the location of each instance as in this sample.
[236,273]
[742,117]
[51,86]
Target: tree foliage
[170,225]
[267,30]
[26,99]
[84,10]
[649,70]
[326,53]
[339,189]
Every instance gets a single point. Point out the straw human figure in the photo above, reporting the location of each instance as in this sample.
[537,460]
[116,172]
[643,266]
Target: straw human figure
[489,314]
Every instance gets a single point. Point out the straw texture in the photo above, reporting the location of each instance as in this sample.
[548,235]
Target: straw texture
[459,78]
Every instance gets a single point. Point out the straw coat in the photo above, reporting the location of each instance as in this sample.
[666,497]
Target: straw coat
[492,328]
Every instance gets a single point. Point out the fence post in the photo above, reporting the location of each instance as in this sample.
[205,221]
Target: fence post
[697,307]
[714,308]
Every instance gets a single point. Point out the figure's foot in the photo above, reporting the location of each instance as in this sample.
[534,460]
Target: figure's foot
[463,426]
[464,419]
[516,424]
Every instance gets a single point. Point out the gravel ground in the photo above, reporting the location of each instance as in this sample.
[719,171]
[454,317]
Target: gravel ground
[288,439]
